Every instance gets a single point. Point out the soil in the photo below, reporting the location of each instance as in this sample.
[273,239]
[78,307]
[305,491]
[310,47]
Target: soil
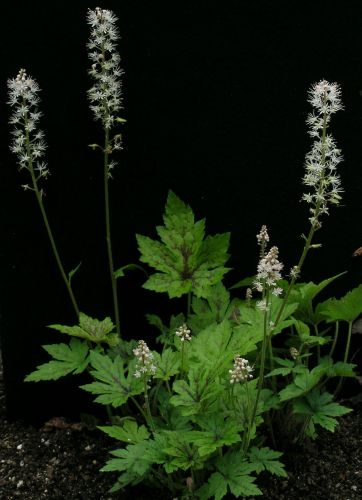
[61,460]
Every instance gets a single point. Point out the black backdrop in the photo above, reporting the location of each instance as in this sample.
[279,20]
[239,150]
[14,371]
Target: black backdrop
[215,102]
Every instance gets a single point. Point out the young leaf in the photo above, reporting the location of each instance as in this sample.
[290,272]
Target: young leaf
[185,261]
[72,358]
[112,385]
[233,473]
[91,329]
[266,459]
[129,432]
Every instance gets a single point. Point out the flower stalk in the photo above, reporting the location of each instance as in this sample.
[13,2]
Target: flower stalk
[29,146]
[105,99]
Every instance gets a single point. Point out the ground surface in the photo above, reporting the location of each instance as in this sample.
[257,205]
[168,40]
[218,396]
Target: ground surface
[61,461]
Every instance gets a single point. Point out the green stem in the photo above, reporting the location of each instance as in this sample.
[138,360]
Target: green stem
[47,225]
[140,409]
[345,358]
[336,332]
[263,355]
[147,404]
[106,152]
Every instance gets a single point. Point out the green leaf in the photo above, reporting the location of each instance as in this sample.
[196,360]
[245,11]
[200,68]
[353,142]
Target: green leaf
[266,459]
[321,411]
[214,309]
[129,432]
[72,272]
[233,473]
[184,455]
[167,364]
[112,385]
[185,260]
[91,329]
[212,347]
[348,308]
[341,369]
[120,273]
[216,433]
[198,395]
[303,382]
[304,293]
[131,459]
[72,358]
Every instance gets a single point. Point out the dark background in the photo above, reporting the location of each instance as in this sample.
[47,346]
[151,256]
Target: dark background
[215,101]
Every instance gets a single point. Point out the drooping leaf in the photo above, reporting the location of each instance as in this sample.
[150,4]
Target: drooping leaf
[112,386]
[185,260]
[266,459]
[91,329]
[68,358]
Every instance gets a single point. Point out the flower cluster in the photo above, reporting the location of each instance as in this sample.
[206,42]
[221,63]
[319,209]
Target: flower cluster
[28,142]
[183,333]
[144,357]
[294,353]
[269,272]
[242,370]
[321,162]
[105,95]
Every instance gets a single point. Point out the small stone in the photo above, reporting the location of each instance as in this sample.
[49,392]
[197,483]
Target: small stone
[20,483]
[19,447]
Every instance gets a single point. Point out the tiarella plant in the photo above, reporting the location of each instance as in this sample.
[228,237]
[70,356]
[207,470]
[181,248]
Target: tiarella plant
[210,409]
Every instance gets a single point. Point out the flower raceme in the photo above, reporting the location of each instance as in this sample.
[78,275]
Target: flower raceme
[105,95]
[321,162]
[269,272]
[144,357]
[183,333]
[28,142]
[241,372]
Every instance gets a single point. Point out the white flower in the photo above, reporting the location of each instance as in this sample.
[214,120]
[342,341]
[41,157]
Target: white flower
[269,272]
[242,370]
[27,142]
[321,162]
[105,95]
[183,333]
[263,236]
[144,357]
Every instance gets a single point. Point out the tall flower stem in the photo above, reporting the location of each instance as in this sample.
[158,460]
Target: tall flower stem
[108,230]
[51,237]
[345,358]
[29,146]
[262,359]
[105,99]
